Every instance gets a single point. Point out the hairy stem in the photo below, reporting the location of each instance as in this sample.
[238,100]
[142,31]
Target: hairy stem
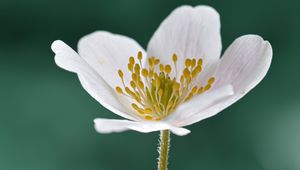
[164,145]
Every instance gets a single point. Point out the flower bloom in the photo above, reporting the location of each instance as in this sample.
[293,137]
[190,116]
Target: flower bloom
[179,81]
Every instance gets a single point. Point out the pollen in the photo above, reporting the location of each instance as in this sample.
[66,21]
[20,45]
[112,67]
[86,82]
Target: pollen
[155,91]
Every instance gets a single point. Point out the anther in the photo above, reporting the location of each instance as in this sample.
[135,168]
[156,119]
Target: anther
[161,67]
[140,55]
[128,91]
[130,66]
[145,72]
[131,60]
[186,73]
[174,58]
[134,77]
[135,106]
[148,117]
[168,69]
[188,62]
[141,85]
[120,74]
[200,61]
[211,80]
[207,87]
[193,63]
[200,90]
[132,84]
[150,61]
[194,89]
[148,110]
[119,90]
[196,71]
[137,68]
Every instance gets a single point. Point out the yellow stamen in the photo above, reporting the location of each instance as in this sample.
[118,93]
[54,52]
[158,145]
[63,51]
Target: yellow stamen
[154,92]
[119,90]
[145,72]
[188,62]
[200,90]
[200,61]
[130,66]
[132,84]
[148,117]
[196,71]
[193,63]
[148,110]
[140,55]
[161,67]
[120,74]
[168,69]
[186,73]
[135,106]
[174,58]
[207,87]
[128,91]
[211,80]
[150,61]
[194,89]
[134,77]
[141,85]
[137,68]
[131,60]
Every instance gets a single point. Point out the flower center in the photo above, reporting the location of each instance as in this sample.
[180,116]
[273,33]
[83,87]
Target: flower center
[154,93]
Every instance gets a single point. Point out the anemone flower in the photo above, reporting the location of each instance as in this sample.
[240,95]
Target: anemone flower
[180,80]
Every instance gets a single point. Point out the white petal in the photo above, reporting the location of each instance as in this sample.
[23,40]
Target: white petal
[182,114]
[68,59]
[211,110]
[244,65]
[107,53]
[113,125]
[188,32]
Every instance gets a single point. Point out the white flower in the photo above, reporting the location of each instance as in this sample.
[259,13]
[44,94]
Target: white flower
[179,81]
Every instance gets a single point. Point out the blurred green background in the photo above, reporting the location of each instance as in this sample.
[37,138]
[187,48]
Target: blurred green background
[46,118]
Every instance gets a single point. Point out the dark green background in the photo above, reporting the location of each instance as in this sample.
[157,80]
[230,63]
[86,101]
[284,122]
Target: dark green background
[46,118]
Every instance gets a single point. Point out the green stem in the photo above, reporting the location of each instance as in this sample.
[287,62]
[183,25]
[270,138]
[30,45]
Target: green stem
[163,150]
